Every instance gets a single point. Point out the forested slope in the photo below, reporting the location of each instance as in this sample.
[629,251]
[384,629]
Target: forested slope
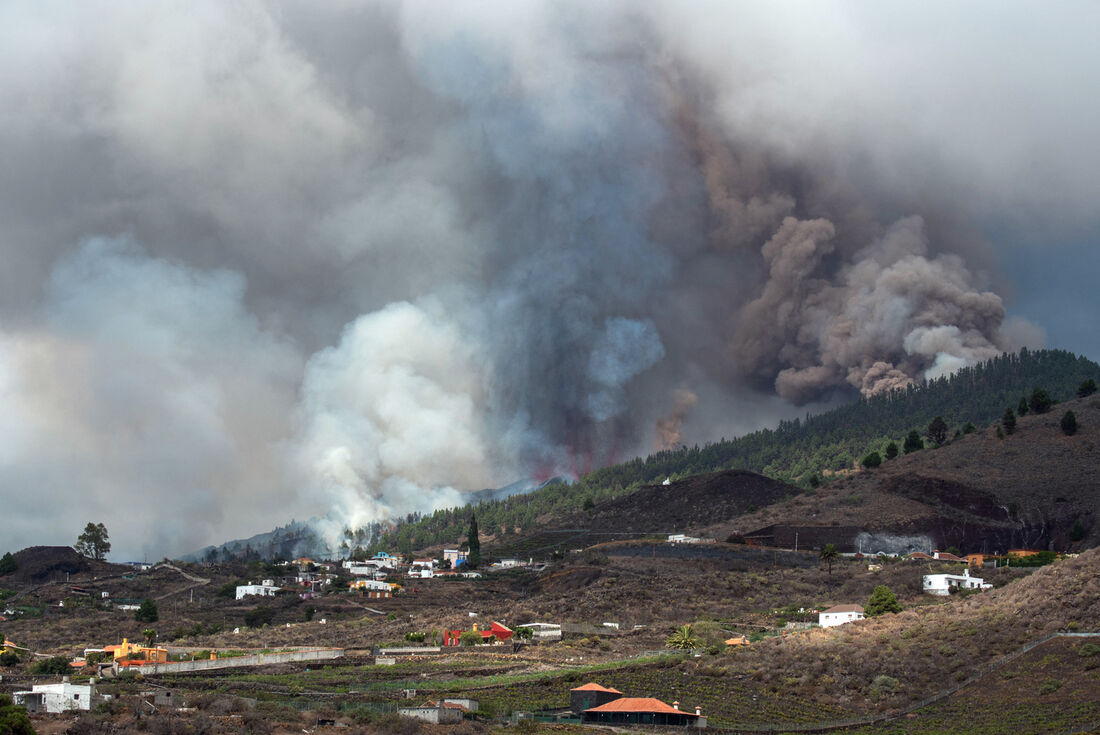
[792,452]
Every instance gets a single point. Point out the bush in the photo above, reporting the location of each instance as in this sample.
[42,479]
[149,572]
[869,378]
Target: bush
[9,658]
[913,442]
[872,460]
[1087,650]
[147,613]
[469,638]
[891,450]
[259,617]
[13,719]
[882,601]
[1049,686]
[54,666]
[1040,401]
[1078,531]
[884,683]
[1069,423]
[1086,388]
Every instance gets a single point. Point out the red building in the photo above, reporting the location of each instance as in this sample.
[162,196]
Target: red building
[496,630]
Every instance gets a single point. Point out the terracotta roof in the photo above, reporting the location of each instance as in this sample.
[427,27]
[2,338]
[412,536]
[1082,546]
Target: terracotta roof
[844,609]
[594,687]
[639,704]
[432,704]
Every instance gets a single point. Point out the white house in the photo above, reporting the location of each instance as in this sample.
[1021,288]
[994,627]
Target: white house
[61,697]
[839,615]
[680,538]
[942,584]
[435,712]
[543,631]
[267,589]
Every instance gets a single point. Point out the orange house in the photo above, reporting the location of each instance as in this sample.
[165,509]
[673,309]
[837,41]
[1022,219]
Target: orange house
[131,654]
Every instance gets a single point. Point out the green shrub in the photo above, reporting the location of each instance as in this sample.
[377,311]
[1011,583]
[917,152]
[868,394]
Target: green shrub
[13,719]
[259,617]
[884,683]
[872,460]
[147,612]
[1089,649]
[54,666]
[1050,686]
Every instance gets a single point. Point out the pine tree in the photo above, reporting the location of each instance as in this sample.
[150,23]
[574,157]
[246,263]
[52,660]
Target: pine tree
[1022,407]
[147,612]
[882,601]
[1086,388]
[473,558]
[913,442]
[1069,423]
[1040,401]
[891,450]
[937,431]
[1009,421]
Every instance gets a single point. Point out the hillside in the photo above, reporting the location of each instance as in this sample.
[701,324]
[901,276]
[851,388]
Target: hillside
[978,492]
[821,445]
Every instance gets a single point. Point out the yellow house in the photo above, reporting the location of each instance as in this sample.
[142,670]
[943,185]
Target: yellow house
[127,651]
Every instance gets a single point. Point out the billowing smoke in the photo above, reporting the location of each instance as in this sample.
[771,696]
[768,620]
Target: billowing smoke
[670,427]
[391,413]
[891,315]
[354,260]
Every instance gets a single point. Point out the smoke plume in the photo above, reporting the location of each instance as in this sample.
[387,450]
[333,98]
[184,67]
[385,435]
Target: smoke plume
[354,260]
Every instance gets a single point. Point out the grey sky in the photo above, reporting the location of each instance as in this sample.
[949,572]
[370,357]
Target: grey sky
[274,260]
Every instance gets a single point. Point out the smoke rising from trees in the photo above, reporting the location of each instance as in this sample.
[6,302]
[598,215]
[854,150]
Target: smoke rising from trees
[353,260]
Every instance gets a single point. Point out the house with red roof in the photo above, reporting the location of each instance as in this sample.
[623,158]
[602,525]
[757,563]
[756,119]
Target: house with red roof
[496,630]
[643,711]
[590,695]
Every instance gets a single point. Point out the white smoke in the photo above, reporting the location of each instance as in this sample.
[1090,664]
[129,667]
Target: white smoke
[390,416]
[146,392]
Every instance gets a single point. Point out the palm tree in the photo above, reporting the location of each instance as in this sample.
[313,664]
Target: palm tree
[683,637]
[828,554]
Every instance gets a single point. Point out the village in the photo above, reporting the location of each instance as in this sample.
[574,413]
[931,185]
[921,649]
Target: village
[432,615]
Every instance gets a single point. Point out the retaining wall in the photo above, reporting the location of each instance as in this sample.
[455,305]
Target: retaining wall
[259,659]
